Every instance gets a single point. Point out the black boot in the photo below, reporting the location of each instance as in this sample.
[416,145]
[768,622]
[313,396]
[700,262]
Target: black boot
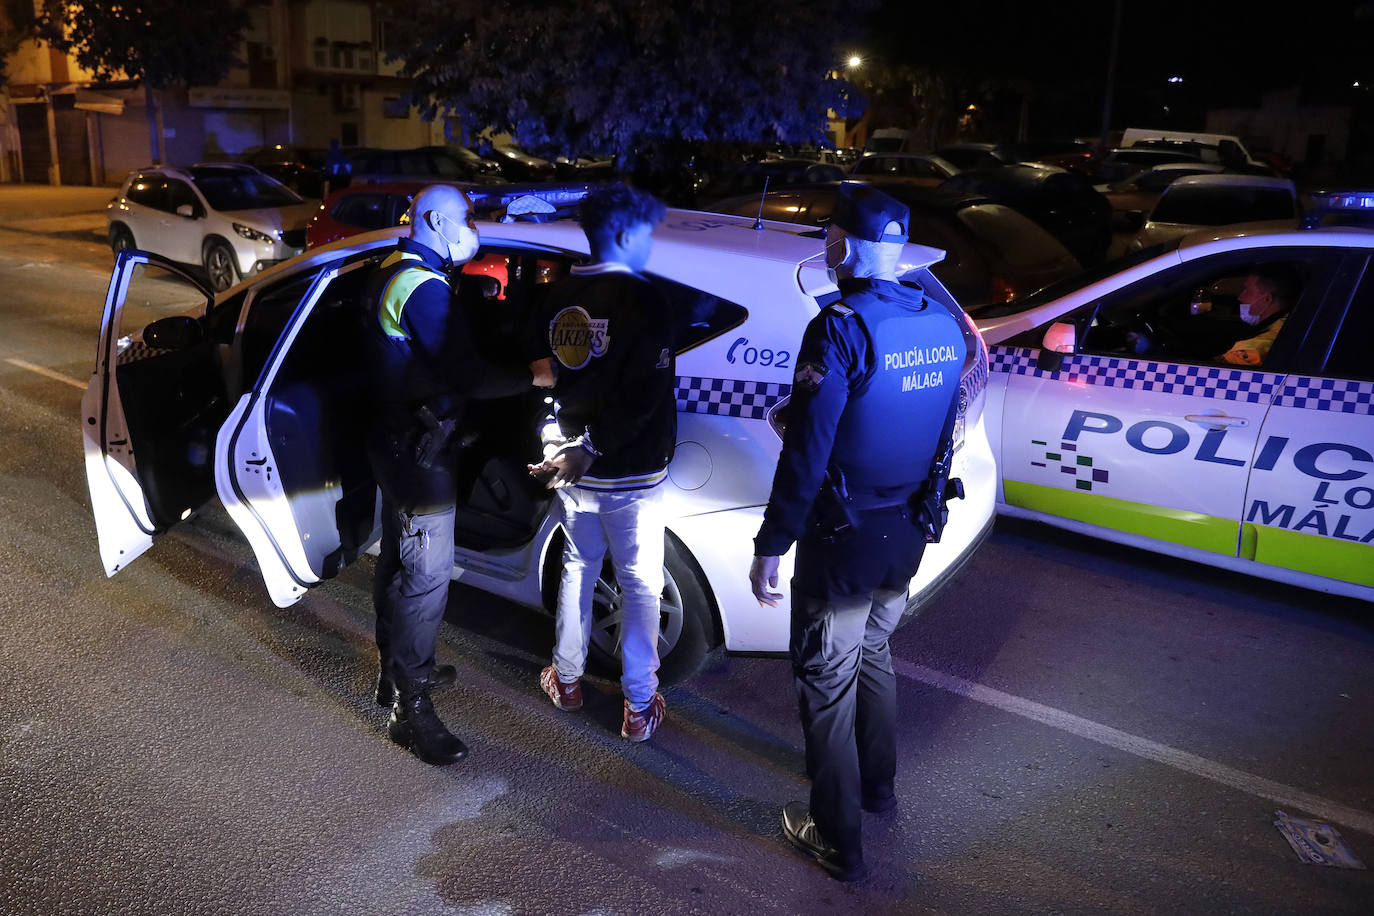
[416,727]
[439,676]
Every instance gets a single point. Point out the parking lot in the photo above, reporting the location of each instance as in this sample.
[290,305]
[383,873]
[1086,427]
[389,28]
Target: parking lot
[1084,727]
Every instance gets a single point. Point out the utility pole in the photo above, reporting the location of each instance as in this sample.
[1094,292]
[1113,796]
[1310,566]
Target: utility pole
[1111,76]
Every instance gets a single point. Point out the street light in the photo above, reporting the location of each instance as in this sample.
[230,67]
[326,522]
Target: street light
[854,61]
[1175,79]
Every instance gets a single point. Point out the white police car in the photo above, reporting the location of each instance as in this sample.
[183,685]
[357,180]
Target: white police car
[253,400]
[1135,432]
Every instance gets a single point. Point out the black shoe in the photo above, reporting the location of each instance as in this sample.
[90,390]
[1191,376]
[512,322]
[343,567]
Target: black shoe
[416,727]
[878,804]
[439,676]
[798,826]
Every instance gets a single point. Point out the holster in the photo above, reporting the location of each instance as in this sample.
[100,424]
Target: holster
[834,516]
[433,437]
[930,502]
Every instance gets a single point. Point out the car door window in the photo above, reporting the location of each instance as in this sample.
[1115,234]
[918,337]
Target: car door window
[1310,500]
[179,194]
[149,191]
[267,315]
[1352,352]
[1192,314]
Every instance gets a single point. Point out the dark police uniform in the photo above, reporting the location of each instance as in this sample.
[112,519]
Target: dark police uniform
[876,383]
[425,368]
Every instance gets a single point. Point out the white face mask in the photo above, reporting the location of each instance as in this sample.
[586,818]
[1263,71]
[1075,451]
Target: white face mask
[1248,314]
[462,249]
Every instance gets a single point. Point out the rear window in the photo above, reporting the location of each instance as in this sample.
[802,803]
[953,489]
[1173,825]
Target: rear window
[1203,206]
[1017,241]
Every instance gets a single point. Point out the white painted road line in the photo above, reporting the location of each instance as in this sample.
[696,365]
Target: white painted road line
[47,373]
[1279,793]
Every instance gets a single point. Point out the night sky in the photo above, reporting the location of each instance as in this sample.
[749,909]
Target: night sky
[1226,52]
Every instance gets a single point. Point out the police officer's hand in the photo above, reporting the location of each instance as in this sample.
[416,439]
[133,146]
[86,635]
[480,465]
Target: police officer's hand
[763,578]
[565,468]
[542,370]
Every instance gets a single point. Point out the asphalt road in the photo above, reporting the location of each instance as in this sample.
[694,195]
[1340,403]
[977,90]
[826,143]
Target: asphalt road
[1084,728]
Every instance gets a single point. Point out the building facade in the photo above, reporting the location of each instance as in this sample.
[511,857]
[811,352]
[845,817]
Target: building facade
[308,72]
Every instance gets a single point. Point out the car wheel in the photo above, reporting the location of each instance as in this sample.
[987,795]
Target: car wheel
[219,264]
[684,624]
[120,239]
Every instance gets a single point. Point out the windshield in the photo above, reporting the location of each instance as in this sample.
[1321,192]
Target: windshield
[1018,241]
[1219,206]
[1061,288]
[239,189]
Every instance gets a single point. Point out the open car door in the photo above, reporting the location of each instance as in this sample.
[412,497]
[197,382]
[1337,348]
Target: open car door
[152,408]
[291,461]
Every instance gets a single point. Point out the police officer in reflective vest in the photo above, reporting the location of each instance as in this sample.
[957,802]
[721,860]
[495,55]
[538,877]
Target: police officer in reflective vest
[859,488]
[424,368]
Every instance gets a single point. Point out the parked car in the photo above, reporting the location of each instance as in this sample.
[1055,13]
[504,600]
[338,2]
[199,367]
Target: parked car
[741,177]
[1266,470]
[1063,203]
[1123,163]
[992,253]
[255,397]
[366,207]
[916,168]
[302,169]
[228,218]
[517,165]
[434,163]
[1133,197]
[1226,149]
[1071,155]
[1200,201]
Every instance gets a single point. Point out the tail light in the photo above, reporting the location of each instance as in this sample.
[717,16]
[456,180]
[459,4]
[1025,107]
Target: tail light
[777,417]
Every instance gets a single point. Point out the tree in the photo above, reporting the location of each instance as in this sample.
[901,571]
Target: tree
[627,77]
[161,42]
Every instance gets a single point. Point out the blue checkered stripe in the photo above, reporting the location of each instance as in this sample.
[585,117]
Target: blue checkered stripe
[977,380]
[1219,382]
[1339,395]
[728,397]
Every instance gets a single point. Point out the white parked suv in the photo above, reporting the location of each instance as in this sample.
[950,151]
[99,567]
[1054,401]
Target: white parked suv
[229,219]
[255,396]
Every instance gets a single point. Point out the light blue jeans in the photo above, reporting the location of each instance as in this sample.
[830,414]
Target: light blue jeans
[631,524]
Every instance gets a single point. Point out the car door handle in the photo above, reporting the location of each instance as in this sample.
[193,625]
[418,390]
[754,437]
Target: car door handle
[1215,421]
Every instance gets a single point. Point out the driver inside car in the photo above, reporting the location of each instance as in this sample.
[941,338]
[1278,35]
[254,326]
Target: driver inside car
[1240,335]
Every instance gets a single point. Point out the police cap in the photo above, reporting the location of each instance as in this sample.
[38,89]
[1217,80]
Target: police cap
[864,212]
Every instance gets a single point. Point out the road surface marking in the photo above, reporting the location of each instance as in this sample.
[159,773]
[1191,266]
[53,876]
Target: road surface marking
[48,373]
[1142,747]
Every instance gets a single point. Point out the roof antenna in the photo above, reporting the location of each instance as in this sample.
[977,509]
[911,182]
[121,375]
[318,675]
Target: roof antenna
[758,221]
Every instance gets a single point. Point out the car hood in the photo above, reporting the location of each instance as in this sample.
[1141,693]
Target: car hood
[272,218]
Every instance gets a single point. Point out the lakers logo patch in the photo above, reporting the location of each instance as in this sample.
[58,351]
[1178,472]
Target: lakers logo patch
[575,337]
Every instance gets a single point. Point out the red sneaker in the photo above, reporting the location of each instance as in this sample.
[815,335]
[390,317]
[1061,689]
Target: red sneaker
[639,726]
[565,696]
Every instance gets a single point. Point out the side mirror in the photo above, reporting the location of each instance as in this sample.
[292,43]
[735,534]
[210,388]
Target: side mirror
[175,332]
[1130,221]
[1060,338]
[187,211]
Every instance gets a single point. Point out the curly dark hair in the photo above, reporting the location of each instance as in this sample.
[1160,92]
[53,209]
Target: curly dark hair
[615,208]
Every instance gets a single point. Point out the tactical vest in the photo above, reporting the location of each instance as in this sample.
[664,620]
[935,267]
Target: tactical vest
[400,382]
[397,278]
[891,425]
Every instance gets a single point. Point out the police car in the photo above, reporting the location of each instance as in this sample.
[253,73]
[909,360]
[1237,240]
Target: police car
[1110,413]
[251,398]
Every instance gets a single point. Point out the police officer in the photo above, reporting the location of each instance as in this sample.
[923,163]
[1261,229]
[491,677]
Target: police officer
[424,369]
[858,488]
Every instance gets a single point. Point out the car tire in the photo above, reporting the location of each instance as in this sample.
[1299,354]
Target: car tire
[220,264]
[121,238]
[685,619]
